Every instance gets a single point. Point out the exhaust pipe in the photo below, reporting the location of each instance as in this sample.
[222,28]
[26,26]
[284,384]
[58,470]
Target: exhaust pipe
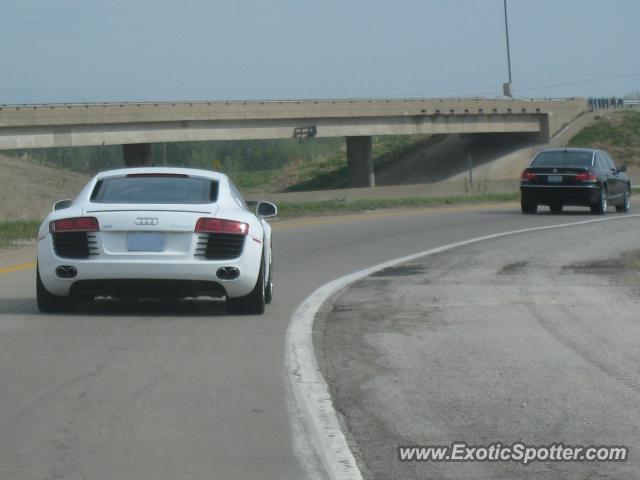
[66,271]
[228,273]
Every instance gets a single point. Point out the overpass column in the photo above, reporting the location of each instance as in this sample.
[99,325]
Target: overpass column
[136,154]
[545,129]
[360,162]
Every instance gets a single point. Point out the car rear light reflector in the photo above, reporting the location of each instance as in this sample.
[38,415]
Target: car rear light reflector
[528,176]
[76,224]
[219,225]
[586,177]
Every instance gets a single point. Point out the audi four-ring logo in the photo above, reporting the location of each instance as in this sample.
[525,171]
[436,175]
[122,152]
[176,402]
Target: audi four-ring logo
[146,221]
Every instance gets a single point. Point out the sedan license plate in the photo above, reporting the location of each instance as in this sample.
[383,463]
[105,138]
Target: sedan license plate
[145,242]
[554,179]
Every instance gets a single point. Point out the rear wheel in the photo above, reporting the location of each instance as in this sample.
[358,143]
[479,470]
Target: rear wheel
[626,203]
[50,303]
[528,208]
[556,208]
[252,304]
[600,208]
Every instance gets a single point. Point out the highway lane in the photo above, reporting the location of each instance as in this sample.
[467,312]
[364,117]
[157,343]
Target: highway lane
[530,337]
[159,390]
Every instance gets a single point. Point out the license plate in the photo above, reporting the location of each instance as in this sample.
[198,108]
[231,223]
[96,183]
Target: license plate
[145,242]
[554,179]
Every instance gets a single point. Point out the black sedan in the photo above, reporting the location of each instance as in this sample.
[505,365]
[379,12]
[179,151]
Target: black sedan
[577,177]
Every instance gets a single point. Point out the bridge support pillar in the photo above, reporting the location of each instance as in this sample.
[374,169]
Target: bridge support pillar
[136,154]
[360,162]
[545,129]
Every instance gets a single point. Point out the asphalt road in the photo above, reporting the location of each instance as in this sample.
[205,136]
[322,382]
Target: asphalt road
[165,391]
[526,338]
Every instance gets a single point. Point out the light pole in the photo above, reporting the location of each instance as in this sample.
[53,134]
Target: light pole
[506,87]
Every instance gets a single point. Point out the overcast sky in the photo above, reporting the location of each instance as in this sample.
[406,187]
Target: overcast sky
[111,50]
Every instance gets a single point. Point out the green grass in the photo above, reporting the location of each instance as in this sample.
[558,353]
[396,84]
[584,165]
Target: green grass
[327,173]
[619,134]
[297,209]
[253,180]
[13,230]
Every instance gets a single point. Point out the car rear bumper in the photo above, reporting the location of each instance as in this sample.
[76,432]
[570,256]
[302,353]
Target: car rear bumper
[564,195]
[150,277]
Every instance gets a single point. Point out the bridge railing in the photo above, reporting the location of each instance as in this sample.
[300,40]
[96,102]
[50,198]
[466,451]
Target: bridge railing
[165,103]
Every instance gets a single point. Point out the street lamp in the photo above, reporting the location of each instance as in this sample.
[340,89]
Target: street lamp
[506,87]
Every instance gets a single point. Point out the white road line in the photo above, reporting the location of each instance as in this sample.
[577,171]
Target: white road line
[318,441]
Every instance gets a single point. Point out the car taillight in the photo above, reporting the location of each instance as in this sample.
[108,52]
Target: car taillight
[219,225]
[586,177]
[528,176]
[76,224]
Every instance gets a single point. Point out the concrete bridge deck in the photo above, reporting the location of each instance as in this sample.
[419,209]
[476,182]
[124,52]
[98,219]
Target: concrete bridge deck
[137,125]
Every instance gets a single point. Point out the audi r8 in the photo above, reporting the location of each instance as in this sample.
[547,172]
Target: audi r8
[156,233]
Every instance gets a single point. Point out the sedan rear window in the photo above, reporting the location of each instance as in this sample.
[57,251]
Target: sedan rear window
[139,188]
[563,158]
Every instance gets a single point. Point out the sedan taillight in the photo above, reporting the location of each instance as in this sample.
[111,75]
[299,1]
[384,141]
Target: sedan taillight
[76,224]
[586,177]
[528,176]
[219,225]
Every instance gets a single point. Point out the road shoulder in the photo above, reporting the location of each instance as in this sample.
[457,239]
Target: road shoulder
[487,344]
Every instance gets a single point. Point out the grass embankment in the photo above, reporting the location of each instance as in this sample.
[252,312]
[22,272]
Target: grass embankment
[14,230]
[617,133]
[327,171]
[331,173]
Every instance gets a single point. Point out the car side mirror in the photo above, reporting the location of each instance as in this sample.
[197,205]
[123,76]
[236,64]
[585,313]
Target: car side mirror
[62,204]
[266,209]
[622,168]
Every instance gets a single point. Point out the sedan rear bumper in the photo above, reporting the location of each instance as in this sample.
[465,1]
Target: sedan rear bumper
[582,196]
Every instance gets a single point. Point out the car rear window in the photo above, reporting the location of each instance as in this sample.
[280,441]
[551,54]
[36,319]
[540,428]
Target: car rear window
[563,159]
[140,188]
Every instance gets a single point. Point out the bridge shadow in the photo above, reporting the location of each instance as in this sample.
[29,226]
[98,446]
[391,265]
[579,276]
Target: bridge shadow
[450,157]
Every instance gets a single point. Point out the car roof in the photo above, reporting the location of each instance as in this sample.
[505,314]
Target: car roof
[192,172]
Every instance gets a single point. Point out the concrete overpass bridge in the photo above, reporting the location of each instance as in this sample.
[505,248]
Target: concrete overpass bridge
[136,126]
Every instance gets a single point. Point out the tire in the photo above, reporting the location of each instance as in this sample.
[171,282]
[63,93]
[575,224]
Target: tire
[556,208]
[252,304]
[600,208]
[528,208]
[626,203]
[50,303]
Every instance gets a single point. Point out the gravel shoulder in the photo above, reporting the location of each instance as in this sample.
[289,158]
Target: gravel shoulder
[529,338]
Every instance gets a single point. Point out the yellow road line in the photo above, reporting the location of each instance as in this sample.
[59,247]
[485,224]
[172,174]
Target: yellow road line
[16,268]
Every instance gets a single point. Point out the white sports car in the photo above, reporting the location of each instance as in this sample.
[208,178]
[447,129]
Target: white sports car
[154,233]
